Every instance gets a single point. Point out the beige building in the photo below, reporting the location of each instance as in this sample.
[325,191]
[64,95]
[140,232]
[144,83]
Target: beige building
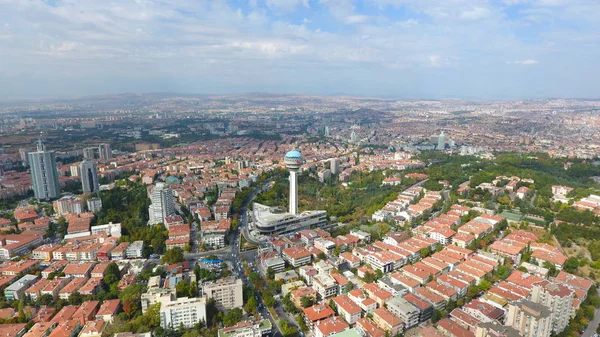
[530,319]
[227,293]
[558,298]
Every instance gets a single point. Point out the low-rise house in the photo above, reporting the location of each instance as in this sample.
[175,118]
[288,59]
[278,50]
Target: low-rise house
[16,290]
[109,310]
[316,313]
[388,321]
[329,327]
[404,310]
[347,309]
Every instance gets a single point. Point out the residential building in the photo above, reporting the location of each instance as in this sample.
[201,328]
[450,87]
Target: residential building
[297,256]
[89,177]
[388,321]
[347,309]
[44,173]
[316,313]
[495,329]
[530,319]
[134,250]
[104,151]
[329,327]
[247,329]
[109,310]
[324,285]
[163,204]
[16,290]
[558,298]
[227,292]
[182,311]
[404,310]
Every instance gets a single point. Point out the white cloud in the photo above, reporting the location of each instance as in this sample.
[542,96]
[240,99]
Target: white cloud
[476,13]
[528,62]
[514,2]
[286,5]
[357,19]
[219,42]
[435,60]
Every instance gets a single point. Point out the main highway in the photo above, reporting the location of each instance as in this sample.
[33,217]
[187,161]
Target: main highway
[232,254]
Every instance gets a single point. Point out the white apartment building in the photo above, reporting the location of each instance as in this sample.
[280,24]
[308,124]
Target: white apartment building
[214,240]
[404,310]
[163,204]
[558,298]
[227,293]
[113,229]
[134,250]
[529,318]
[324,285]
[44,173]
[247,329]
[183,311]
[347,309]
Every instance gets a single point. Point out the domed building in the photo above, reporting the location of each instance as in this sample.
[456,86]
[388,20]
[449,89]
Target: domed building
[270,221]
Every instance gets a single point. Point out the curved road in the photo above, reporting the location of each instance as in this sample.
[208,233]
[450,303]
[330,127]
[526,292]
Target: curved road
[591,329]
[232,253]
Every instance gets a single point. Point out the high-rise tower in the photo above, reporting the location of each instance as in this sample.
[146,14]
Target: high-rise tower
[163,204]
[293,161]
[89,176]
[104,151]
[44,173]
[441,145]
[89,152]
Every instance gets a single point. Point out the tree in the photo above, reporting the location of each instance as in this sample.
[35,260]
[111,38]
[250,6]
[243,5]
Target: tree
[502,272]
[336,251]
[268,299]
[306,301]
[173,255]
[75,298]
[333,306]
[288,330]
[552,271]
[130,297]
[270,273]
[484,285]
[571,265]
[301,323]
[182,288]
[251,305]
[232,317]
[112,274]
[257,280]
[437,315]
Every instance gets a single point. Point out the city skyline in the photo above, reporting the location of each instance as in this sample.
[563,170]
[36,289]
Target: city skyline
[402,49]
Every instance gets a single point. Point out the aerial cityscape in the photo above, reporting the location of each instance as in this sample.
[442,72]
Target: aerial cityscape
[290,215]
[299,168]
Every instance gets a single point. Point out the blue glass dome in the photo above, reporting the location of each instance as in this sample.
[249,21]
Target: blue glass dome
[293,154]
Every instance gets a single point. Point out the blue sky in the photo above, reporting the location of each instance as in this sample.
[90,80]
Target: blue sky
[501,49]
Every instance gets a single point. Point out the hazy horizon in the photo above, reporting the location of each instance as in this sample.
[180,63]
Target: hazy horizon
[402,49]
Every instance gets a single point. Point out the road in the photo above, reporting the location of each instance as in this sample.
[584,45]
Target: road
[250,256]
[591,329]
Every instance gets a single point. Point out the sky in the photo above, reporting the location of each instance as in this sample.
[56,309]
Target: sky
[411,49]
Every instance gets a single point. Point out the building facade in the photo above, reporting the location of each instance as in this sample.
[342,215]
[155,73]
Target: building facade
[44,173]
[227,293]
[530,319]
[89,177]
[182,311]
[163,204]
